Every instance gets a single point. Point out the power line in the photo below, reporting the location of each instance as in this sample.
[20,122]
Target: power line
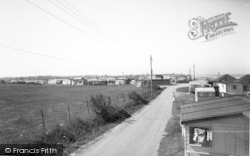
[67,23]
[56,58]
[94,24]
[77,17]
[60,19]
[87,19]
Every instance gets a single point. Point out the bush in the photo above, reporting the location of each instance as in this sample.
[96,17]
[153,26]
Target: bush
[137,98]
[156,87]
[105,110]
[58,135]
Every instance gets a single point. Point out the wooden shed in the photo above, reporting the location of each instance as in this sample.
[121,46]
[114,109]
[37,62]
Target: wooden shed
[218,127]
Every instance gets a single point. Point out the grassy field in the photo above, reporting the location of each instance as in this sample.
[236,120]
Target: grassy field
[21,106]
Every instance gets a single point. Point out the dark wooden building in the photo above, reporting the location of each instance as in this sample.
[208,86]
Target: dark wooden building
[218,127]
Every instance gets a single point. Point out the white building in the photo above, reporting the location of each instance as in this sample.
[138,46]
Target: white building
[202,94]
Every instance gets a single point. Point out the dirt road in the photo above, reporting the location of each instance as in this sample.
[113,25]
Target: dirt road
[139,135]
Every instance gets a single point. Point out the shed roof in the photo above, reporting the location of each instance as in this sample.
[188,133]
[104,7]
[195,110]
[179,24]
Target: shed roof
[226,79]
[204,89]
[245,79]
[214,108]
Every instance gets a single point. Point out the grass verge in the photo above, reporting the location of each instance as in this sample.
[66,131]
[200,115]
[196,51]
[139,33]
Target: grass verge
[183,89]
[172,142]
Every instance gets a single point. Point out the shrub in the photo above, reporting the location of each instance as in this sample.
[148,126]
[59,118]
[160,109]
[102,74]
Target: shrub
[105,110]
[156,87]
[137,98]
[82,126]
[58,135]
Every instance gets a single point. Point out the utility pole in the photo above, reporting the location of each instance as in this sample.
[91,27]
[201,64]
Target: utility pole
[151,71]
[194,71]
[190,74]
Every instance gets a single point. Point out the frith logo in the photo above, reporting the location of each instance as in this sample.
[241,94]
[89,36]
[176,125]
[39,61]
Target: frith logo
[210,28]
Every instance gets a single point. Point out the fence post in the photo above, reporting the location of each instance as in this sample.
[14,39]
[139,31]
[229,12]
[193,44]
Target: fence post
[69,115]
[43,121]
[88,106]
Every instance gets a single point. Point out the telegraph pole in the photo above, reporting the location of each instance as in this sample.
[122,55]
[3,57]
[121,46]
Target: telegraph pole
[151,76]
[194,71]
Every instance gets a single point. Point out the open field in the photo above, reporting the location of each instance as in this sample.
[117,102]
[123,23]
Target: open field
[21,106]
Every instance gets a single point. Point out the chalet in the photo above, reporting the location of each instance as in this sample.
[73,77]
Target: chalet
[59,81]
[166,77]
[223,83]
[202,94]
[218,127]
[138,83]
[97,82]
[66,81]
[52,81]
[133,82]
[159,79]
[78,81]
[182,79]
[122,81]
[198,84]
[240,86]
[111,81]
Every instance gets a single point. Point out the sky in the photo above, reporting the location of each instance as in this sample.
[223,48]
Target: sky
[115,37]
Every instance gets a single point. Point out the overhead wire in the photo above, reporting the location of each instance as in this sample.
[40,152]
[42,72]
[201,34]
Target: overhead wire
[67,23]
[57,58]
[76,16]
[94,24]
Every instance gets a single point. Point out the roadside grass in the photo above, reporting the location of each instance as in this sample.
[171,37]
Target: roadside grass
[183,89]
[21,105]
[80,132]
[172,142]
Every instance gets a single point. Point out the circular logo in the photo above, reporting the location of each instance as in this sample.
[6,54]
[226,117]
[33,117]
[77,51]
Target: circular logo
[7,150]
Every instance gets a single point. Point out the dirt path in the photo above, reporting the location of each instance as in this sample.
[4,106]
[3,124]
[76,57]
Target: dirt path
[139,135]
